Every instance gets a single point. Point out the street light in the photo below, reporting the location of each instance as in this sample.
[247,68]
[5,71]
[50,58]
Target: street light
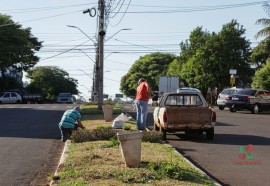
[117,33]
[101,62]
[96,66]
[71,26]
[111,54]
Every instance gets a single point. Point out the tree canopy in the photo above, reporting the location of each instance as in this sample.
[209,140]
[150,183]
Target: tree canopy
[206,58]
[17,46]
[150,67]
[50,81]
[261,80]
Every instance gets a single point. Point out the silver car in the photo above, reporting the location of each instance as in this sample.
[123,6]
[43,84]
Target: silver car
[64,98]
[223,95]
[10,97]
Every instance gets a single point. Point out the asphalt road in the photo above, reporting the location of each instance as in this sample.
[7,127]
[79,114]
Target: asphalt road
[29,142]
[222,158]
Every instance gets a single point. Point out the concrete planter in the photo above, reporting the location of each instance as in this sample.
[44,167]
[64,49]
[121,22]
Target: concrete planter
[130,145]
[108,112]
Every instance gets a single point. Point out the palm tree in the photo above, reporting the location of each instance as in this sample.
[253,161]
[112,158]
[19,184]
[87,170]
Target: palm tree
[265,32]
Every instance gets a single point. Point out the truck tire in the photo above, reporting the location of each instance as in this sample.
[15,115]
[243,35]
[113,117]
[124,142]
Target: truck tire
[221,107]
[163,131]
[255,109]
[210,133]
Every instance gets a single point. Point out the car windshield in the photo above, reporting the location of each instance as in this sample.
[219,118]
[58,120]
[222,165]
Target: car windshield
[249,92]
[1,94]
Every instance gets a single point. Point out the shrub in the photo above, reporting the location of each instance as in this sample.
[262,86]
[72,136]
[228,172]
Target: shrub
[152,136]
[104,127]
[126,127]
[107,133]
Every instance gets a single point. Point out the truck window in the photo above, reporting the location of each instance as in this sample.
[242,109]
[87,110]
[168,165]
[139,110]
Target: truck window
[183,100]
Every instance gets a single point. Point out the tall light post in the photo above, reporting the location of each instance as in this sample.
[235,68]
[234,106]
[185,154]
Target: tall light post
[71,26]
[94,86]
[117,33]
[101,55]
[96,73]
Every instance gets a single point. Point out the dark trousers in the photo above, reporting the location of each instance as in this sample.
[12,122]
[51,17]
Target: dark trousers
[65,133]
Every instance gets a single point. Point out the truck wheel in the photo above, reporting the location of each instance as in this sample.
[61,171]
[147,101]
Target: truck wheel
[221,107]
[156,128]
[255,109]
[210,133]
[163,131]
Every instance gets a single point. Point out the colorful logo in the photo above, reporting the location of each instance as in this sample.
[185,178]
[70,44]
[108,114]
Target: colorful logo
[246,152]
[246,157]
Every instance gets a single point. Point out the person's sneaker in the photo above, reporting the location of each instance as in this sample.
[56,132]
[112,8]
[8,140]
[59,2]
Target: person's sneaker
[64,140]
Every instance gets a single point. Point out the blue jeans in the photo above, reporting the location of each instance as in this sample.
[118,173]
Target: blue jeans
[141,108]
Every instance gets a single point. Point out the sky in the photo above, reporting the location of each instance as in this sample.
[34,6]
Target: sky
[134,28]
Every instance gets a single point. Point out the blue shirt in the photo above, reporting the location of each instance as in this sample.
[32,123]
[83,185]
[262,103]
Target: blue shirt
[69,119]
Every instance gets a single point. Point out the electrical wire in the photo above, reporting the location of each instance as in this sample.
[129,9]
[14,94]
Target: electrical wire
[122,16]
[64,51]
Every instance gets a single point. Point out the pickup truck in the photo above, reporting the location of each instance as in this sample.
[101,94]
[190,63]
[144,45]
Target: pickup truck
[185,111]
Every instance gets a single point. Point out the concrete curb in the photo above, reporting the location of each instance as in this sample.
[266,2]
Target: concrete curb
[62,159]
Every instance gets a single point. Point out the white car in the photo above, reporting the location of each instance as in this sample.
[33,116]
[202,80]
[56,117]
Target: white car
[64,98]
[10,97]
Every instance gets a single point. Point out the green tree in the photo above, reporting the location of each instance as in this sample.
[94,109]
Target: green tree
[150,67]
[261,53]
[205,60]
[9,83]
[50,81]
[233,52]
[261,80]
[17,46]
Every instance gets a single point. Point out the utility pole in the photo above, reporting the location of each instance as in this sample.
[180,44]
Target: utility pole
[96,87]
[101,34]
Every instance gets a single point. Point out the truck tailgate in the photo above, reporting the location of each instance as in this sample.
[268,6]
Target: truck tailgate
[188,115]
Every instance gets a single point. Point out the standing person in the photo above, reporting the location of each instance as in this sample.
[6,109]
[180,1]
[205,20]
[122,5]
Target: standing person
[141,101]
[71,120]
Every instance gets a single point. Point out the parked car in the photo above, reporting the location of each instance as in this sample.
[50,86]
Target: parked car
[222,96]
[255,100]
[184,111]
[64,98]
[10,97]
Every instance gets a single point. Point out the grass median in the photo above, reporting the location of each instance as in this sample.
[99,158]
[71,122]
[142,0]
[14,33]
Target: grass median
[99,162]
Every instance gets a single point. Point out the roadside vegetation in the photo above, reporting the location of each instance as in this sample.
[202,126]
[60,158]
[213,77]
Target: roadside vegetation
[94,158]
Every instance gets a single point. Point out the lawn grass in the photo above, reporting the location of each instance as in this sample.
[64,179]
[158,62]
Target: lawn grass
[100,162]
